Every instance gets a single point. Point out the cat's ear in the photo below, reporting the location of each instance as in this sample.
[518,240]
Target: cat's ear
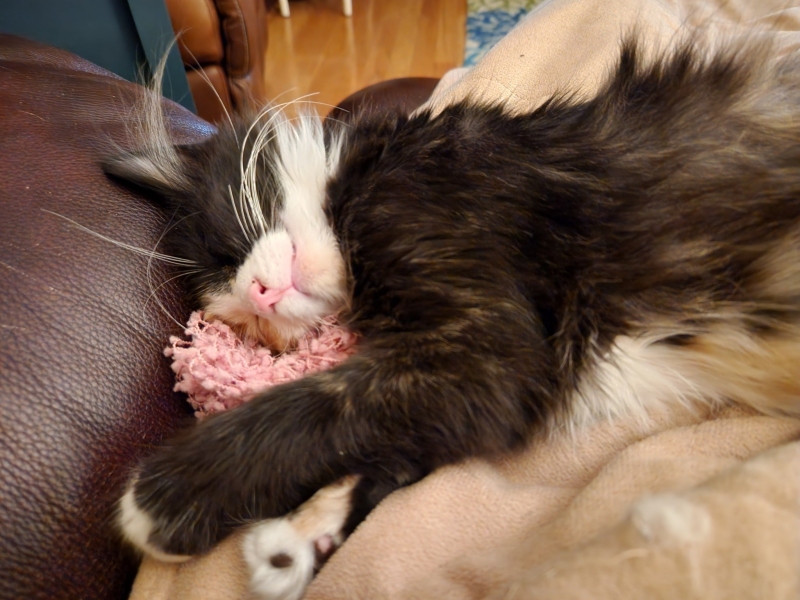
[157,168]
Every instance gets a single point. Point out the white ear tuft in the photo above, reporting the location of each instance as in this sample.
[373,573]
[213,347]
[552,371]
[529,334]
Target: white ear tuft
[154,163]
[144,169]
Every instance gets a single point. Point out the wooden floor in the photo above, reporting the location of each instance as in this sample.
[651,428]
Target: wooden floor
[319,50]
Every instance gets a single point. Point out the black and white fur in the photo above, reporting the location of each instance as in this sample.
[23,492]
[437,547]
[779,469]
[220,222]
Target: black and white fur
[509,275]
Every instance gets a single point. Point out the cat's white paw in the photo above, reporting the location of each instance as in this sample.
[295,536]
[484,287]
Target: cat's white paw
[137,526]
[281,561]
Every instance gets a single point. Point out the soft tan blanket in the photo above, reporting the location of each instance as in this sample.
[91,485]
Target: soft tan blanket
[691,506]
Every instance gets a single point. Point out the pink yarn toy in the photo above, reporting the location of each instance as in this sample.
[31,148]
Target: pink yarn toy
[219,371]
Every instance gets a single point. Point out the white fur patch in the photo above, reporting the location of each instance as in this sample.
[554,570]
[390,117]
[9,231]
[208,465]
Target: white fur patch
[669,519]
[637,377]
[278,538]
[281,552]
[303,170]
[136,526]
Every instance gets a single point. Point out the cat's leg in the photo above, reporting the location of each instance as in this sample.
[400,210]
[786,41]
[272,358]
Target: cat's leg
[405,405]
[283,554]
[218,475]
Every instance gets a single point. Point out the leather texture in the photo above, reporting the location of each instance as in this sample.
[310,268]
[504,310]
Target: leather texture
[223,44]
[404,94]
[196,23]
[84,388]
[211,100]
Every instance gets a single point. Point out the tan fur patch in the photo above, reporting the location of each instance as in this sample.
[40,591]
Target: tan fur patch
[330,505]
[249,326]
[761,371]
[778,273]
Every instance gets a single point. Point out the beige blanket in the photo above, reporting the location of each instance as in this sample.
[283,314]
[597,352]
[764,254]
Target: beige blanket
[692,506]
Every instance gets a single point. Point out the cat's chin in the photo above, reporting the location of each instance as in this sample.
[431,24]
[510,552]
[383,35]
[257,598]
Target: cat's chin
[249,326]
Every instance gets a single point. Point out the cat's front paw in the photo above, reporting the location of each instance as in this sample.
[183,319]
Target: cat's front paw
[171,515]
[206,482]
[143,530]
[138,527]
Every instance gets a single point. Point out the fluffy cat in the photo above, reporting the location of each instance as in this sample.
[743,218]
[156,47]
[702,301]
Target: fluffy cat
[509,274]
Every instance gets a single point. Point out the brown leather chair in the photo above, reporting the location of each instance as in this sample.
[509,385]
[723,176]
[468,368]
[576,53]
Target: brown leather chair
[84,387]
[223,44]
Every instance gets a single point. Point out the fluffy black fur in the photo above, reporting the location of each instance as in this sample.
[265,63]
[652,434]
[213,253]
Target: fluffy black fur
[200,196]
[494,259]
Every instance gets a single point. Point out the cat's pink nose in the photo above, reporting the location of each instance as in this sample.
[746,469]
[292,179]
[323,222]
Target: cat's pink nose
[263,298]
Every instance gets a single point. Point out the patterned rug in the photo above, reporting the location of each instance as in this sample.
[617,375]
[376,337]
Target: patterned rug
[490,20]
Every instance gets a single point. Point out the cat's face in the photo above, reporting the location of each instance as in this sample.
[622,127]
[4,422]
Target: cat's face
[264,258]
[293,273]
[292,276]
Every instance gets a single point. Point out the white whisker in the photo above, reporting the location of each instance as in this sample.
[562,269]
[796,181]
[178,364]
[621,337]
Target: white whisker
[274,101]
[149,274]
[150,254]
[249,188]
[250,191]
[201,72]
[154,290]
[247,234]
[302,100]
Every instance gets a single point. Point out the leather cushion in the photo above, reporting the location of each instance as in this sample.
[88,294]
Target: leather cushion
[210,91]
[404,94]
[244,26]
[84,389]
[225,40]
[196,22]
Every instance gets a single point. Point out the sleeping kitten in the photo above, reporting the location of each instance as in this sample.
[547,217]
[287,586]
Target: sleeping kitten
[507,273]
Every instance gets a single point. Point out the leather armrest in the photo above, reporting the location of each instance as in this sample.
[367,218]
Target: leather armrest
[404,93]
[84,388]
[223,44]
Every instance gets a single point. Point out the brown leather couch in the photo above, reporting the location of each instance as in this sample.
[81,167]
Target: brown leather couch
[84,387]
[223,44]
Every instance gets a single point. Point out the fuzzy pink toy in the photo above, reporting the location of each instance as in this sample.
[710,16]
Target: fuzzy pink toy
[219,371]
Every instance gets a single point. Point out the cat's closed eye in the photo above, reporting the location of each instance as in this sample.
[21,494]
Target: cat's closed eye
[265,259]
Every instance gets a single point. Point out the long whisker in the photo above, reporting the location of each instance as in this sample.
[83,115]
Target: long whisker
[197,68]
[251,218]
[250,202]
[274,101]
[248,190]
[151,254]
[154,291]
[149,273]
[302,100]
[249,187]
[238,216]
